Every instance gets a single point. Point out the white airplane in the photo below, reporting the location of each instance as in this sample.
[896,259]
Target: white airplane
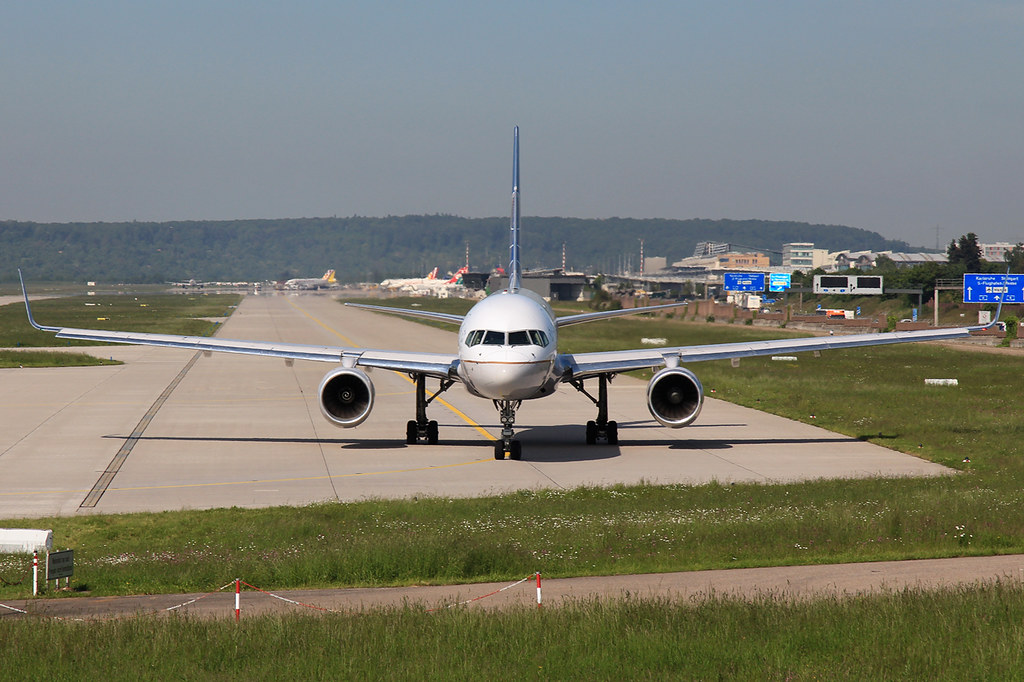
[508,352]
[431,284]
[325,281]
[401,283]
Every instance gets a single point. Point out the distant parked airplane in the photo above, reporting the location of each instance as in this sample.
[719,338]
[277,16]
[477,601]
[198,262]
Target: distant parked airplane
[324,282]
[508,352]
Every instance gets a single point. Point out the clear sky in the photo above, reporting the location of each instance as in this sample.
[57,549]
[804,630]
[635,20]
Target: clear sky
[904,117]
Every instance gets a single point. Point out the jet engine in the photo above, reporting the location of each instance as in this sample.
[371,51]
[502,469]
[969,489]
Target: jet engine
[346,396]
[674,397]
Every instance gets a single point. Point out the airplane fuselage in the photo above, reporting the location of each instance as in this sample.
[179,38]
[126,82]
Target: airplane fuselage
[508,347]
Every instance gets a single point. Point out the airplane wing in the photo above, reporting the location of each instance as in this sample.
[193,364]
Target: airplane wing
[580,318]
[561,321]
[407,312]
[441,365]
[582,365]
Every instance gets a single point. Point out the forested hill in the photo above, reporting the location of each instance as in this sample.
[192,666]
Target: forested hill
[370,249]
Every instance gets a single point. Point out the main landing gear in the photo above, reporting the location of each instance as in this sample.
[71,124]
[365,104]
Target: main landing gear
[421,430]
[508,445]
[601,428]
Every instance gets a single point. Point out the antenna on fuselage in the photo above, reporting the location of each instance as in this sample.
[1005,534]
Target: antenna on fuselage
[515,271]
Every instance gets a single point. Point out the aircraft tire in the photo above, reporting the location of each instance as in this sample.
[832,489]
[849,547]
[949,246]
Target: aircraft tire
[410,432]
[613,433]
[432,432]
[516,450]
[499,450]
[591,432]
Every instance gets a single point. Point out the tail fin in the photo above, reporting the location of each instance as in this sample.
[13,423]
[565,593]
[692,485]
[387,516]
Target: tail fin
[432,274]
[515,271]
[329,276]
[457,277]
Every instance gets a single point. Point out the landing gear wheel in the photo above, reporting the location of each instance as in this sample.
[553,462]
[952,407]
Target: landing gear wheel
[612,431]
[515,450]
[591,432]
[410,432]
[432,432]
[499,450]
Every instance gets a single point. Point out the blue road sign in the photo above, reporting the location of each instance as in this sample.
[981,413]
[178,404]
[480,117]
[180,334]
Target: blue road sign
[744,281]
[779,281]
[986,288]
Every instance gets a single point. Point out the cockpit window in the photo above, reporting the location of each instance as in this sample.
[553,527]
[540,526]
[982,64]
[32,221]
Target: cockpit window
[521,338]
[526,337]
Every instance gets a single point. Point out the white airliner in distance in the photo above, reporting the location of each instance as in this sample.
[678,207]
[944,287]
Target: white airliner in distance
[325,281]
[508,352]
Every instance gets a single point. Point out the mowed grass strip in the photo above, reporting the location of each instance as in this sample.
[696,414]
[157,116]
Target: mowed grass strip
[158,313]
[586,531]
[952,634]
[36,358]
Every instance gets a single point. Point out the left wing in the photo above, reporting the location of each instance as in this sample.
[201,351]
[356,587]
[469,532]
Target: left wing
[582,365]
[565,321]
[441,365]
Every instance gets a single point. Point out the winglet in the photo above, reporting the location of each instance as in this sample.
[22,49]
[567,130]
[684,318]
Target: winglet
[28,308]
[515,271]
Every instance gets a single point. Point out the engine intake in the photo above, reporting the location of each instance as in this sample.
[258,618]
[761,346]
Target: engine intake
[346,397]
[674,397]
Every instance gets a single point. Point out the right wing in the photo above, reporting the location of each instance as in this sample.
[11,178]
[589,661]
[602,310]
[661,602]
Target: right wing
[441,365]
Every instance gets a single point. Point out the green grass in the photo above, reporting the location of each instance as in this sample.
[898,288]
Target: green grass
[954,634]
[30,358]
[160,313]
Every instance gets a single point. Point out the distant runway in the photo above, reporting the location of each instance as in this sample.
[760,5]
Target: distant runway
[172,429]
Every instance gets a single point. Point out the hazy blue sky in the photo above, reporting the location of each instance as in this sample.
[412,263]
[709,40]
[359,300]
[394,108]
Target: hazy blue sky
[895,116]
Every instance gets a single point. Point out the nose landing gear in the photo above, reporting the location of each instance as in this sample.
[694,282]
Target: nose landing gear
[508,445]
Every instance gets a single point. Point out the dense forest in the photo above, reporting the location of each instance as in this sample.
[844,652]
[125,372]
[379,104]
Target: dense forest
[371,249]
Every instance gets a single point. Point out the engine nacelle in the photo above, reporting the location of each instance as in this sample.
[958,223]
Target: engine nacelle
[346,397]
[674,397]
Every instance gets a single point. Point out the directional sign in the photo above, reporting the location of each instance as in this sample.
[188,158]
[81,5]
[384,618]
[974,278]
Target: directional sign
[744,281]
[985,288]
[779,281]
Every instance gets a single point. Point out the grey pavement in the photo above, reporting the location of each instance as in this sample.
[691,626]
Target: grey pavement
[247,431]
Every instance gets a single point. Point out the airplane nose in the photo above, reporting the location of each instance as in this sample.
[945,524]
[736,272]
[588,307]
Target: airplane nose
[507,374]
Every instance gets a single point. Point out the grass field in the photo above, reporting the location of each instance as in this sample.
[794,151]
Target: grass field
[161,313]
[958,634]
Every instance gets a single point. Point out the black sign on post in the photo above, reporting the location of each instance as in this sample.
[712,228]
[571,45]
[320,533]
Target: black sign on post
[60,564]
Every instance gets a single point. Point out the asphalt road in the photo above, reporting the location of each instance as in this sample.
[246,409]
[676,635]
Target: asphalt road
[782,582]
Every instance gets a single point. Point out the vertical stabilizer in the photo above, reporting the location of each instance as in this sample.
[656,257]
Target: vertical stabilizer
[515,271]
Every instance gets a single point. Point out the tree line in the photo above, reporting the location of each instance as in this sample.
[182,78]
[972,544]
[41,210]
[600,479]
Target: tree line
[372,248]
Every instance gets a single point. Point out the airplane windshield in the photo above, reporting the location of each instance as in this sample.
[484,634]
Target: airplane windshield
[526,337]
[518,339]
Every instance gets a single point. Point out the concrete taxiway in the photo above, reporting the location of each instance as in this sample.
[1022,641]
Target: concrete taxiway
[174,429]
